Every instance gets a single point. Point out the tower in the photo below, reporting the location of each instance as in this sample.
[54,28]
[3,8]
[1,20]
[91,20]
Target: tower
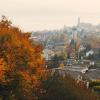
[78,21]
[74,34]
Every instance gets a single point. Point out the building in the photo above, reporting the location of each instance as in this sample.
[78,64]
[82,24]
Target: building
[47,53]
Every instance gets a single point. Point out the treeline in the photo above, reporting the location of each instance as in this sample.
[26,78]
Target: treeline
[22,70]
[59,88]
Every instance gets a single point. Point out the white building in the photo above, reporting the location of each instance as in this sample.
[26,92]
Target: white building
[47,53]
[81,48]
[91,52]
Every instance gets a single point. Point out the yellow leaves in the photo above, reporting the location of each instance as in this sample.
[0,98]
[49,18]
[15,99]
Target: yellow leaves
[39,60]
[2,70]
[29,79]
[22,59]
[25,75]
[61,65]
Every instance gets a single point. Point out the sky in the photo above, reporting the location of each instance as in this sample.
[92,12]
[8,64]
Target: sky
[33,15]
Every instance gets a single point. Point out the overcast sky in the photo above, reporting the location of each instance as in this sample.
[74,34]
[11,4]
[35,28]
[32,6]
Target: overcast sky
[50,14]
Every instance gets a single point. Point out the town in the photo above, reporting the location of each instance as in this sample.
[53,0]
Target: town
[50,50]
[73,50]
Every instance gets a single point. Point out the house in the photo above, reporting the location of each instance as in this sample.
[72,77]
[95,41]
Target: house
[47,53]
[81,48]
[91,52]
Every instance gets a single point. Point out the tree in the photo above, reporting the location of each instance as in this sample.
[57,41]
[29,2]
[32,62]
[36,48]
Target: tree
[55,61]
[22,65]
[59,88]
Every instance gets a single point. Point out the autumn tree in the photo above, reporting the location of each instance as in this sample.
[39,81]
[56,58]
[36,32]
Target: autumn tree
[21,62]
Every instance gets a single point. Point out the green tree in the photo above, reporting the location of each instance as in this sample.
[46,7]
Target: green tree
[55,61]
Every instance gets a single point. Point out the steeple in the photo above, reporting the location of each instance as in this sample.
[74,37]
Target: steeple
[78,21]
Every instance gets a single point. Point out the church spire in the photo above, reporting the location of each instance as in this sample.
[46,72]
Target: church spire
[78,21]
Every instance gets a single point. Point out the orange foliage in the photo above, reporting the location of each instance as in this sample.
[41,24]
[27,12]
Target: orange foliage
[20,55]
[2,70]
